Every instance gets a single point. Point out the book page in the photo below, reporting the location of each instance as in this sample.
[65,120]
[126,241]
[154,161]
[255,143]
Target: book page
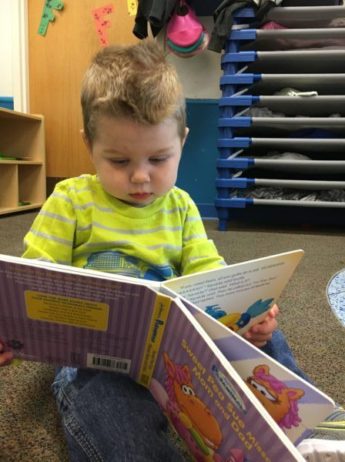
[238,295]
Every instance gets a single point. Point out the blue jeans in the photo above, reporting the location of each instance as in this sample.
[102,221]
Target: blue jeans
[279,349]
[107,417]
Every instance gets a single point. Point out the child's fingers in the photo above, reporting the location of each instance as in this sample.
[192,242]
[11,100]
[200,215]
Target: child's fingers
[259,340]
[258,336]
[271,317]
[5,358]
[261,333]
[274,311]
[259,344]
[268,325]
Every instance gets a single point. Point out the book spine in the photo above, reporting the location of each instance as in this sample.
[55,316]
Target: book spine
[154,338]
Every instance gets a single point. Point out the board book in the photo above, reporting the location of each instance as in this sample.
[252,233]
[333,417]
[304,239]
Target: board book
[226,399]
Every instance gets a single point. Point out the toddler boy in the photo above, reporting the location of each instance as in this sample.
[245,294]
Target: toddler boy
[131,219]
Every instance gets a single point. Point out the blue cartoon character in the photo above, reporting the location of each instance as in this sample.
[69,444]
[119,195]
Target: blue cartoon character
[236,321]
[259,307]
[229,319]
[215,311]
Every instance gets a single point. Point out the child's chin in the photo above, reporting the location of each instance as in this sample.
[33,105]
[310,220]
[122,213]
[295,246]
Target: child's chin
[143,203]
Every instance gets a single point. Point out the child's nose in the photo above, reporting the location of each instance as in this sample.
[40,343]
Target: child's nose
[140,175]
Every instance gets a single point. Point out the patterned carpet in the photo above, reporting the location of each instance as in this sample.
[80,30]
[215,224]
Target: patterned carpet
[29,425]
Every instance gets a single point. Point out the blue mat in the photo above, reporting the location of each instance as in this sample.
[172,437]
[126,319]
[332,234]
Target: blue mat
[336,295]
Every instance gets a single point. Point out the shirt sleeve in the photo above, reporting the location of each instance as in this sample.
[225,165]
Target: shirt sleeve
[199,253]
[51,237]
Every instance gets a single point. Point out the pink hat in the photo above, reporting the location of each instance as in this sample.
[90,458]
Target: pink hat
[184,28]
[188,52]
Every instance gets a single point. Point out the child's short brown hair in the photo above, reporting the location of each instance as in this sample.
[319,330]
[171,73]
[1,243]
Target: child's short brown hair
[132,81]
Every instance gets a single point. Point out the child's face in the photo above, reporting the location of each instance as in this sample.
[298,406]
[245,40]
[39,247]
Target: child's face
[136,163]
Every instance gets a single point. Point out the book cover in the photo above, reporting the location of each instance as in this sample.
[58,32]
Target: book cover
[65,316]
[200,372]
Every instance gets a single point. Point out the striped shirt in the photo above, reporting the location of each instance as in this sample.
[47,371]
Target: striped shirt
[82,225]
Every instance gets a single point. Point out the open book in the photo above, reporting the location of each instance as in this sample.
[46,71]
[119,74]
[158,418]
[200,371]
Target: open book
[225,398]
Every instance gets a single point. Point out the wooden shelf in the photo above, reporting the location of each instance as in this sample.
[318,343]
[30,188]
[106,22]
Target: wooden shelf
[21,136]
[19,208]
[20,162]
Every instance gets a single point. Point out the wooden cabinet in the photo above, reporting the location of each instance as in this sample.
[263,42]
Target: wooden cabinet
[22,161]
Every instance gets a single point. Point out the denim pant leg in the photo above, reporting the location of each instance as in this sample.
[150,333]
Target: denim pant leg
[107,417]
[279,350]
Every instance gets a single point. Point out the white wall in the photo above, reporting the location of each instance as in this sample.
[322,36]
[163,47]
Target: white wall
[13,52]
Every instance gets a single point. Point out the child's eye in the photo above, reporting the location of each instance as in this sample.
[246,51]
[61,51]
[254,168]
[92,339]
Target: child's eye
[157,160]
[119,161]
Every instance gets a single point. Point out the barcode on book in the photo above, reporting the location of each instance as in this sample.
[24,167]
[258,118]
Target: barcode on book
[108,363]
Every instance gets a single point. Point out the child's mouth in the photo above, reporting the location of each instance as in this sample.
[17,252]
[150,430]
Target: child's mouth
[141,196]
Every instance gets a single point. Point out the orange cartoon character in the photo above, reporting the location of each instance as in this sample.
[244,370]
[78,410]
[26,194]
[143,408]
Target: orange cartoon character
[189,415]
[278,399]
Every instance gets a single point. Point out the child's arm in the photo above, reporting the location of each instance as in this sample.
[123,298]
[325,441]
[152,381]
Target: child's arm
[260,333]
[5,357]
[199,253]
[51,235]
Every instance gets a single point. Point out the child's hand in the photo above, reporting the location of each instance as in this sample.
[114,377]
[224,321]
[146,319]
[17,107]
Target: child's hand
[260,333]
[5,357]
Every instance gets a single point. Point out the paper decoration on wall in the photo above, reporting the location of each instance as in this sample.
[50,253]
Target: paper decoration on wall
[48,15]
[102,24]
[132,6]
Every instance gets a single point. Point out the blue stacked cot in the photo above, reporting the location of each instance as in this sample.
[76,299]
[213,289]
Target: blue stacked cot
[307,54]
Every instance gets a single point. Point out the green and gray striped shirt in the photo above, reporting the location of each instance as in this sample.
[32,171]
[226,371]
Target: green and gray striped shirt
[81,225]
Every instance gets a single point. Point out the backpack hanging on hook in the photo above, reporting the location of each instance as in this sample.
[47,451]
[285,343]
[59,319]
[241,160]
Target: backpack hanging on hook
[185,35]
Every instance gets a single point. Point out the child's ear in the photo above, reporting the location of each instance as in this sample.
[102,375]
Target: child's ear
[86,141]
[185,136]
